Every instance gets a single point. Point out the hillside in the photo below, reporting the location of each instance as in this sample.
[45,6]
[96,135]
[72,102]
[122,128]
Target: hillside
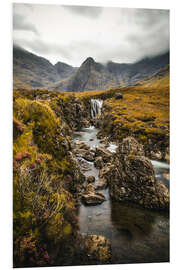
[32,71]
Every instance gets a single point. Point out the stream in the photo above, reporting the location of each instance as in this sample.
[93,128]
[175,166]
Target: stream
[137,235]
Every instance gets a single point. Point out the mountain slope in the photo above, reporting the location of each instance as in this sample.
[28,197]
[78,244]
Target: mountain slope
[35,71]
[95,76]
[130,73]
[64,70]
[32,69]
[90,76]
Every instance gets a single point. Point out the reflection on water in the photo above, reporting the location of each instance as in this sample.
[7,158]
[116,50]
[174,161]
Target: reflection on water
[136,234]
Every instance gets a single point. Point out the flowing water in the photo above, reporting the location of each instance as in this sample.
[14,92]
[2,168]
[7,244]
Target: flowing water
[136,234]
[96,105]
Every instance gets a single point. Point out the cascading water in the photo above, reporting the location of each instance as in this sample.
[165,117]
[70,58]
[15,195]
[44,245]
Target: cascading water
[96,105]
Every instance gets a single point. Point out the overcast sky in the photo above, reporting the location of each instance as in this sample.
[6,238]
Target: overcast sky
[71,34]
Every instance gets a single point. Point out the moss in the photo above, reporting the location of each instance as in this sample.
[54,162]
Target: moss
[143,113]
[41,160]
[43,123]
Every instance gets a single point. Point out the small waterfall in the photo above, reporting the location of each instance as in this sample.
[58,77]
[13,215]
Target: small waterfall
[96,105]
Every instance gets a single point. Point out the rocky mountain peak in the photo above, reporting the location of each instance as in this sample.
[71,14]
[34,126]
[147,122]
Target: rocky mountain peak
[89,61]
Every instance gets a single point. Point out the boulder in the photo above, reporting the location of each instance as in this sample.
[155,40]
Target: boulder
[98,249]
[91,179]
[107,172]
[156,155]
[90,197]
[87,154]
[102,184]
[81,145]
[98,163]
[84,165]
[93,198]
[105,141]
[133,178]
[130,146]
[104,153]
[89,189]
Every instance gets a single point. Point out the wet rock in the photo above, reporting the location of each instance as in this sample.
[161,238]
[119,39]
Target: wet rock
[83,164]
[98,163]
[102,184]
[104,141]
[130,146]
[98,249]
[90,188]
[107,172]
[90,197]
[104,153]
[91,179]
[89,155]
[81,145]
[156,155]
[133,178]
[93,198]
[85,152]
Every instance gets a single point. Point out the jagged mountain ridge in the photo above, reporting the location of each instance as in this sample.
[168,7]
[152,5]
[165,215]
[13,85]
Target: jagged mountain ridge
[95,76]
[90,76]
[32,71]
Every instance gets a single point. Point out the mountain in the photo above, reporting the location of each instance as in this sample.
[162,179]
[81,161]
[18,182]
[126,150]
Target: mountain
[32,71]
[95,76]
[64,70]
[90,76]
[130,73]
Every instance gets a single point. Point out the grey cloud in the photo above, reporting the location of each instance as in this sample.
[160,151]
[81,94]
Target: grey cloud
[91,12]
[132,35]
[20,24]
[27,6]
[148,18]
[41,47]
[150,33]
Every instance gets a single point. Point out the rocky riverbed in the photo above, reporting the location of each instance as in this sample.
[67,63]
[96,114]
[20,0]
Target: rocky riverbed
[136,234]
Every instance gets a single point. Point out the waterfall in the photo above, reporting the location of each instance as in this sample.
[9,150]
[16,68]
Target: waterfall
[96,105]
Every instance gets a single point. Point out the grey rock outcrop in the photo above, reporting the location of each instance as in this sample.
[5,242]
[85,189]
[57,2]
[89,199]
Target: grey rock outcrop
[133,179]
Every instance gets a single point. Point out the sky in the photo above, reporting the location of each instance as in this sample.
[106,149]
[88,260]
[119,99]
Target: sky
[70,34]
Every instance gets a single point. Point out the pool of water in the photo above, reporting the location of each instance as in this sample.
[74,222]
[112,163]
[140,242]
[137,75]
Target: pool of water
[137,235]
